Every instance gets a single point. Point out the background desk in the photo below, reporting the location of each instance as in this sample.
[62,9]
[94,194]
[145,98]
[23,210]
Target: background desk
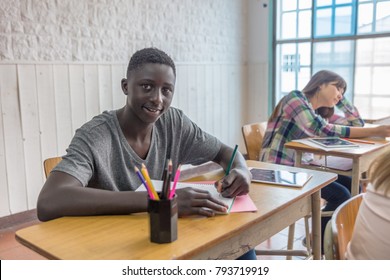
[220,237]
[362,158]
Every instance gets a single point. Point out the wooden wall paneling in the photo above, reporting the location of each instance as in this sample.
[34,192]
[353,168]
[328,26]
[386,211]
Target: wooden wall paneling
[13,140]
[200,96]
[192,93]
[105,88]
[117,74]
[209,97]
[217,101]
[184,103]
[233,82]
[225,104]
[77,96]
[4,87]
[178,86]
[62,107]
[47,112]
[92,98]
[27,81]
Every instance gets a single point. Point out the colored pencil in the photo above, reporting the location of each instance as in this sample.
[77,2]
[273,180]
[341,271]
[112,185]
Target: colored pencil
[359,141]
[177,176]
[145,174]
[144,182]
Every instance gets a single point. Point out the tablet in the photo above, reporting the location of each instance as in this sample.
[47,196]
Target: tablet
[279,177]
[333,142]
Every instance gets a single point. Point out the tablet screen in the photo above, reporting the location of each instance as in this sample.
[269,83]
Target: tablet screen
[280,177]
[334,142]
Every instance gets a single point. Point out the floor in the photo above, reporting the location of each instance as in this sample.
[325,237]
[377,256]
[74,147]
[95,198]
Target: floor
[10,249]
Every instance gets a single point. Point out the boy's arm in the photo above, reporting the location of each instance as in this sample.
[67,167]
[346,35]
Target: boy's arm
[64,195]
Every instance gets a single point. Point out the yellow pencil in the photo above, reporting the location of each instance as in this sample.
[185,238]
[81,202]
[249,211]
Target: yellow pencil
[145,173]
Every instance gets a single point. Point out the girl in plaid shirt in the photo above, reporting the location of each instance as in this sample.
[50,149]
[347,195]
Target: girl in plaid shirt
[311,113]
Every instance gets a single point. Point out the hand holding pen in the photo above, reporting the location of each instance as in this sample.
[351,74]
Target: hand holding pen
[219,183]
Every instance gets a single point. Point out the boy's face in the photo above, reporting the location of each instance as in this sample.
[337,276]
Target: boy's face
[149,91]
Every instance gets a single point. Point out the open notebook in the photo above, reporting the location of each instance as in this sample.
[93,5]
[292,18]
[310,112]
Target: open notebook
[243,203]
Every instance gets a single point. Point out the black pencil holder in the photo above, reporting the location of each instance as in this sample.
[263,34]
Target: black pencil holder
[163,220]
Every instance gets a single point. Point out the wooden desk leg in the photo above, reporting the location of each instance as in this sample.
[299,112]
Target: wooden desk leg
[298,159]
[355,177]
[316,224]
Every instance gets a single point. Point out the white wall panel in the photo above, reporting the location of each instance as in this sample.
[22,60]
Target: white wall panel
[13,140]
[28,98]
[62,107]
[91,91]
[47,111]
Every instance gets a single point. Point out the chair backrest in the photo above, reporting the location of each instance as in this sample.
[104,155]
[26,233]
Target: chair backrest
[50,163]
[253,137]
[343,222]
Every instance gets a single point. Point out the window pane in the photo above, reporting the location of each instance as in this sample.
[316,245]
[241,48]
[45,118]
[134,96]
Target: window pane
[363,78]
[364,51]
[304,24]
[343,1]
[303,77]
[383,16]
[304,4]
[304,51]
[380,82]
[289,5]
[321,3]
[294,68]
[381,50]
[338,57]
[372,72]
[289,28]
[343,20]
[324,22]
[287,82]
[365,16]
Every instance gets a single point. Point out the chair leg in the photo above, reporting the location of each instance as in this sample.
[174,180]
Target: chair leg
[308,238]
[290,241]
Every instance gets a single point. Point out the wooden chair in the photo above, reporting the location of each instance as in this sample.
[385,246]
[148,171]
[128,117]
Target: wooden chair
[253,137]
[343,223]
[50,163]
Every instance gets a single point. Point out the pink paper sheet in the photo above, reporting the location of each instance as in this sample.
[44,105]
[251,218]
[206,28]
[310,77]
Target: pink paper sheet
[242,203]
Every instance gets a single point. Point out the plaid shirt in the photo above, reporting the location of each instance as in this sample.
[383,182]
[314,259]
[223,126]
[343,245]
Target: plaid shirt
[298,120]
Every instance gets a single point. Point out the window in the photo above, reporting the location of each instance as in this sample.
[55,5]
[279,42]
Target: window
[349,37]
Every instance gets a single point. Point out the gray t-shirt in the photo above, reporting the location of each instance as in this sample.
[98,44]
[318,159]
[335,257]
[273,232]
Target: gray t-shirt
[100,157]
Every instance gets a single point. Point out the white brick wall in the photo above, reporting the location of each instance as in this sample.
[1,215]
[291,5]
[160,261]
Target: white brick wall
[111,30]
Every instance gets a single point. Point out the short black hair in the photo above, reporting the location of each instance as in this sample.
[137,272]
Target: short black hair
[150,55]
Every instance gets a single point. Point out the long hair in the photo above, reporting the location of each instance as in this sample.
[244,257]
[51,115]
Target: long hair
[318,79]
[379,172]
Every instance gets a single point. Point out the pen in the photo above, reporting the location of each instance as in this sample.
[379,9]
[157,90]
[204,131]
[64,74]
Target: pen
[231,160]
[359,141]
[144,182]
[219,184]
[166,180]
[177,176]
[145,174]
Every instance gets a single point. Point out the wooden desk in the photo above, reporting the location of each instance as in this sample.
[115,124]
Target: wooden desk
[362,158]
[220,237]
